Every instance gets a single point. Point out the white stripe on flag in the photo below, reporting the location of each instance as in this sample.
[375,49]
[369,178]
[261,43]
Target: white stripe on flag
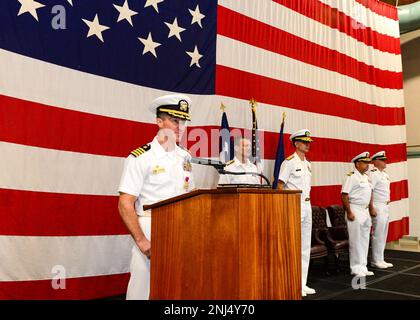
[241,56]
[33,258]
[48,170]
[278,16]
[360,13]
[398,209]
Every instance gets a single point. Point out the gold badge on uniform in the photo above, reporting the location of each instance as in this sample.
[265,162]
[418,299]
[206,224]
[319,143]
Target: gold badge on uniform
[158,169]
[187,164]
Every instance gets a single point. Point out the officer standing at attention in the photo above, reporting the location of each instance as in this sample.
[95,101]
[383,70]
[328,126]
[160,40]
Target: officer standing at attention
[241,163]
[356,195]
[153,172]
[381,198]
[295,174]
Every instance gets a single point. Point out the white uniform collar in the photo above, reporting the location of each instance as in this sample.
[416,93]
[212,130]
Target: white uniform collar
[159,150]
[358,172]
[238,162]
[297,157]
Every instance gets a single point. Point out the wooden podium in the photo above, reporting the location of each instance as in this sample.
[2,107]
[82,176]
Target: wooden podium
[227,244]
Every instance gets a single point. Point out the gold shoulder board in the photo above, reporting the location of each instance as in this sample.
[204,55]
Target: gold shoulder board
[140,150]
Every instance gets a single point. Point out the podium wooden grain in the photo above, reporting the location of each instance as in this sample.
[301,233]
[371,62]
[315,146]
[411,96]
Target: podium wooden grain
[227,244]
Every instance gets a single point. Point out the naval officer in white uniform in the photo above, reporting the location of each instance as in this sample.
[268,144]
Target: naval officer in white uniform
[241,163]
[153,172]
[381,198]
[356,195]
[295,174]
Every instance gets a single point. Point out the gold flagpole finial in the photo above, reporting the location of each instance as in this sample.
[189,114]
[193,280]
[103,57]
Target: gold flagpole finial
[253,103]
[222,107]
[283,118]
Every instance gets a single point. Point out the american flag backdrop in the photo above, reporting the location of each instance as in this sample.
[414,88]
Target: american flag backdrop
[76,78]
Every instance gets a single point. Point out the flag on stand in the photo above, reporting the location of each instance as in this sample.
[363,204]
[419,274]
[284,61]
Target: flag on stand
[225,140]
[279,154]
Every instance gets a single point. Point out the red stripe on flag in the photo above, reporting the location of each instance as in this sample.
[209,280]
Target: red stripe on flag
[323,149]
[76,288]
[336,19]
[399,190]
[381,8]
[267,37]
[58,214]
[34,124]
[236,83]
[30,213]
[398,229]
[325,196]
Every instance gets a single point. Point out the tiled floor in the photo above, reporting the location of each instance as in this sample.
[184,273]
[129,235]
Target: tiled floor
[400,282]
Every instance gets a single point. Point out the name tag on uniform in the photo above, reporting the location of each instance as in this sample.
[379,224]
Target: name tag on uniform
[298,169]
[158,169]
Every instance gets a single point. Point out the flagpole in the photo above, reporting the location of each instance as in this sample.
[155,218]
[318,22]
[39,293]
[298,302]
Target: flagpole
[222,107]
[255,142]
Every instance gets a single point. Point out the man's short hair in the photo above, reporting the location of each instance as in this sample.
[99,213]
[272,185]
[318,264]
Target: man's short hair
[162,115]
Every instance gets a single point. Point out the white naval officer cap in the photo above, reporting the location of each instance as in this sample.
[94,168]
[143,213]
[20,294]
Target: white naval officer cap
[381,155]
[177,105]
[301,135]
[364,157]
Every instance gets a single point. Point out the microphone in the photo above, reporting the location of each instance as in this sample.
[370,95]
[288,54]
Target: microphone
[218,165]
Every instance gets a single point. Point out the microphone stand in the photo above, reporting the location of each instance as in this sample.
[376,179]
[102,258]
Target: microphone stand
[220,167]
[223,171]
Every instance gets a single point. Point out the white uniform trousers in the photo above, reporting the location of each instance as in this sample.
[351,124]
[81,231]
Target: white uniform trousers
[380,231]
[139,284]
[306,232]
[359,234]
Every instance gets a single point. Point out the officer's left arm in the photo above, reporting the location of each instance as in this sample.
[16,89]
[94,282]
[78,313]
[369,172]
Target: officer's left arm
[373,180]
[372,210]
[285,170]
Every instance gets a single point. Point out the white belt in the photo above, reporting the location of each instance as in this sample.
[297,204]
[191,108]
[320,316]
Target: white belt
[364,206]
[381,202]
